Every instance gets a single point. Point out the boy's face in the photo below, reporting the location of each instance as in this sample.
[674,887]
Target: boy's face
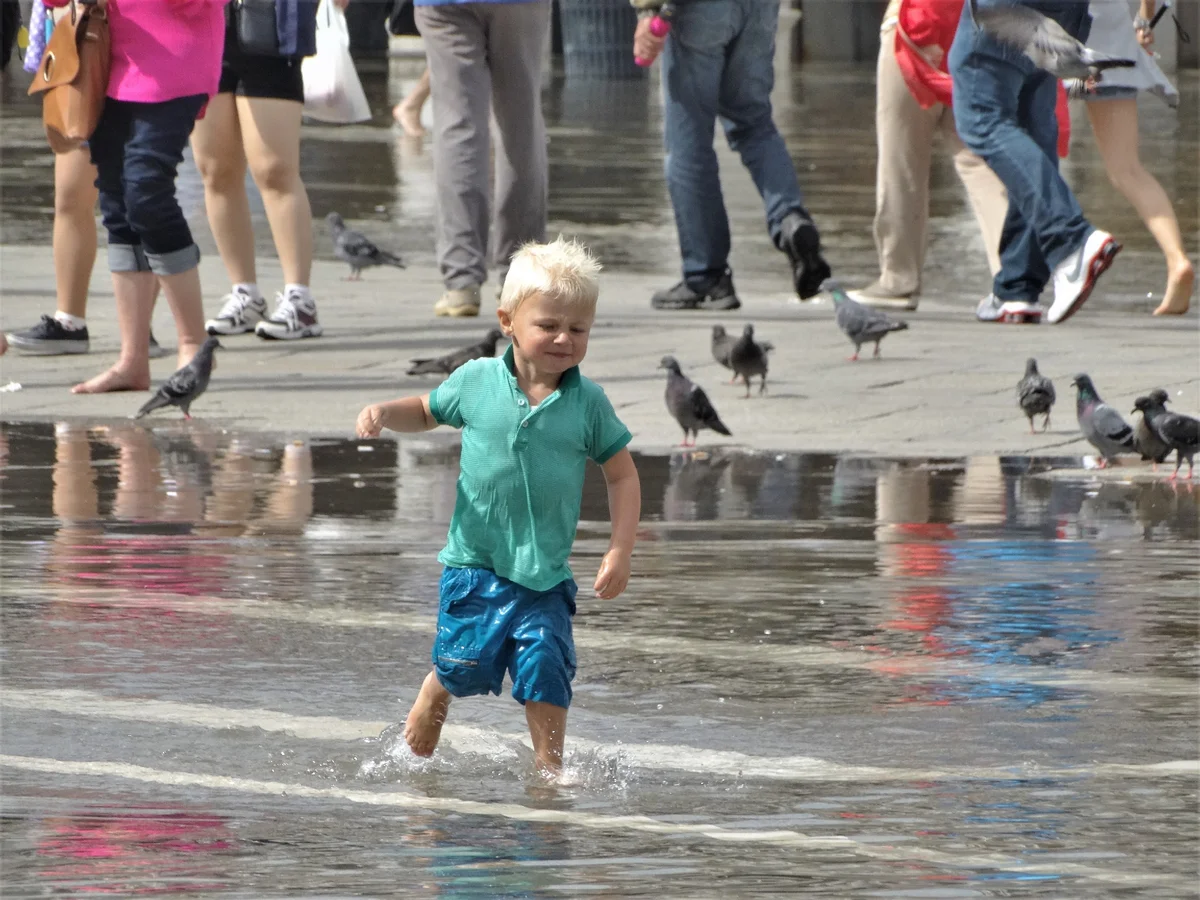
[551,334]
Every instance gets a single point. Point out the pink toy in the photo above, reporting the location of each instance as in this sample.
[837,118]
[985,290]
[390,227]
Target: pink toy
[660,26]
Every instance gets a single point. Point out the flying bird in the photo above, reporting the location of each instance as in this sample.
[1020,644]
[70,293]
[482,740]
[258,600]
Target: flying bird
[1035,394]
[862,324]
[1045,42]
[444,365]
[1145,438]
[689,404]
[748,358]
[186,384]
[358,250]
[1100,423]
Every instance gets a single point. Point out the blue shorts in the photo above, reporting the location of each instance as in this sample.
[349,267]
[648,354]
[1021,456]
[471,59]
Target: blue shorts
[488,625]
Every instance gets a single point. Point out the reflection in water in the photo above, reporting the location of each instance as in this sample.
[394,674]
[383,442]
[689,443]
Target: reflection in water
[170,593]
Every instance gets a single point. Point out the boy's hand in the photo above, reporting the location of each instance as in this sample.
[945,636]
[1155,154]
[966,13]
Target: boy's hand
[613,575]
[646,45]
[370,422]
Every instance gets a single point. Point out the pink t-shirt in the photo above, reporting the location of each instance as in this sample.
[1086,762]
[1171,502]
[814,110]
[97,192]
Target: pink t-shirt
[163,49]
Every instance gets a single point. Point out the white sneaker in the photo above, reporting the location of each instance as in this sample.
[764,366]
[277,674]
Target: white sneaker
[239,314]
[295,317]
[1010,312]
[1076,275]
[878,296]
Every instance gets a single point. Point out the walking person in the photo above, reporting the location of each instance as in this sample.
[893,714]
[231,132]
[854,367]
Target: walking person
[73,241]
[912,107]
[166,61]
[254,122]
[719,63]
[1004,111]
[1112,111]
[485,59]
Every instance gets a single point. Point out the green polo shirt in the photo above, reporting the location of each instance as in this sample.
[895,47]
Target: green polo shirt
[520,479]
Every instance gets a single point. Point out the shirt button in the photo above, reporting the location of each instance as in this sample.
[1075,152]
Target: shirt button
[524,424]
[521,402]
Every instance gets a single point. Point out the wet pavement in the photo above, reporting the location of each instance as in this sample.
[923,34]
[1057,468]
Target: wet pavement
[831,675]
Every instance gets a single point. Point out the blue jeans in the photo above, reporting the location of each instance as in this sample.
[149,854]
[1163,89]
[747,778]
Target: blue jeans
[137,148]
[719,61]
[1004,109]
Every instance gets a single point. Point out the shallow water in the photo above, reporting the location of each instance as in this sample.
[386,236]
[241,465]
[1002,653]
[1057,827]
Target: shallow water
[832,676]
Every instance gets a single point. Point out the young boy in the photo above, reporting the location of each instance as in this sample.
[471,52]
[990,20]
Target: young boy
[529,423]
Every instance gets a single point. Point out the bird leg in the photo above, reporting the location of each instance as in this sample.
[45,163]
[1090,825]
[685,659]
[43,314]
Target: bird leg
[1046,424]
[853,358]
[876,353]
[1031,431]
[746,378]
[1103,463]
[762,388]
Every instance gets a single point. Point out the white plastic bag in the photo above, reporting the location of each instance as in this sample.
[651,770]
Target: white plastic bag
[332,91]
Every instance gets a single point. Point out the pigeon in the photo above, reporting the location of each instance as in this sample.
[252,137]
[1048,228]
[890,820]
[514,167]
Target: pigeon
[187,384]
[721,345]
[748,358]
[862,324]
[444,365]
[357,249]
[689,404]
[1045,42]
[1145,438]
[1182,434]
[1100,423]
[1035,394]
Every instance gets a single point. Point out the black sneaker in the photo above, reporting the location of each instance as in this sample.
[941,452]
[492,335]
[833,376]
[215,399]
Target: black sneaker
[801,241]
[49,338]
[719,295]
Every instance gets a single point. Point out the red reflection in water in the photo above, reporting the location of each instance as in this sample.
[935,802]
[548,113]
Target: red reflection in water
[136,853]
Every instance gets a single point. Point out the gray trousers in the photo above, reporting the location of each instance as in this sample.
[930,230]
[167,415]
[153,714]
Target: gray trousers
[486,57]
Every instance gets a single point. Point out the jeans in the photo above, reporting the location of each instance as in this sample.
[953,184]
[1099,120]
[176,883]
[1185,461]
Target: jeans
[136,149]
[1004,110]
[719,61]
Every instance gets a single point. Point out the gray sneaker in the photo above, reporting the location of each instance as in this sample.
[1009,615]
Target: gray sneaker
[1009,312]
[49,337]
[458,302]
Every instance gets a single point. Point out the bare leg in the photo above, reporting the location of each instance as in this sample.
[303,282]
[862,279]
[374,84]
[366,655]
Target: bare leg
[187,305]
[547,728]
[423,727]
[74,240]
[217,148]
[134,292]
[1115,124]
[407,112]
[271,141]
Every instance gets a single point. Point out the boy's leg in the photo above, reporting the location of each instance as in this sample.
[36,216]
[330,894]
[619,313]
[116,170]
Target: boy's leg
[547,729]
[423,727]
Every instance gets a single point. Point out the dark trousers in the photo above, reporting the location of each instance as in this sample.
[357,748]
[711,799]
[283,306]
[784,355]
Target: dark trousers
[137,149]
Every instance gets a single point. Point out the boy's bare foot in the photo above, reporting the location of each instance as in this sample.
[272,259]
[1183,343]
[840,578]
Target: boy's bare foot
[423,727]
[408,118]
[1178,296]
[115,379]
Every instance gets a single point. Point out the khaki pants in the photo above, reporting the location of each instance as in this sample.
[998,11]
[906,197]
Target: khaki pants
[905,133]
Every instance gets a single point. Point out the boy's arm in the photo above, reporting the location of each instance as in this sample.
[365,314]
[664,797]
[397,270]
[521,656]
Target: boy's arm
[625,509]
[406,414]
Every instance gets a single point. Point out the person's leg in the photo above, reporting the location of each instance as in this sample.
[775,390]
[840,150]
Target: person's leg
[516,46]
[547,730]
[456,49]
[217,150]
[407,112]
[1115,124]
[1003,110]
[904,141]
[74,238]
[133,282]
[692,63]
[986,193]
[423,726]
[152,156]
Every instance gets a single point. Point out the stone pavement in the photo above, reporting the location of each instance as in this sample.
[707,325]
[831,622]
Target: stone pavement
[943,388]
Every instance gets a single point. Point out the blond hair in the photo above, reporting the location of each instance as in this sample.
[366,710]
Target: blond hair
[562,270]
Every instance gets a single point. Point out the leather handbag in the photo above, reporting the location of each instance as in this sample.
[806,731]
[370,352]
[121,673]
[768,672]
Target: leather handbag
[73,76]
[255,26]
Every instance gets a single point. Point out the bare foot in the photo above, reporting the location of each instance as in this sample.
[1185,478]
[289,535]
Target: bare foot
[423,727]
[1178,296]
[408,118]
[115,379]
